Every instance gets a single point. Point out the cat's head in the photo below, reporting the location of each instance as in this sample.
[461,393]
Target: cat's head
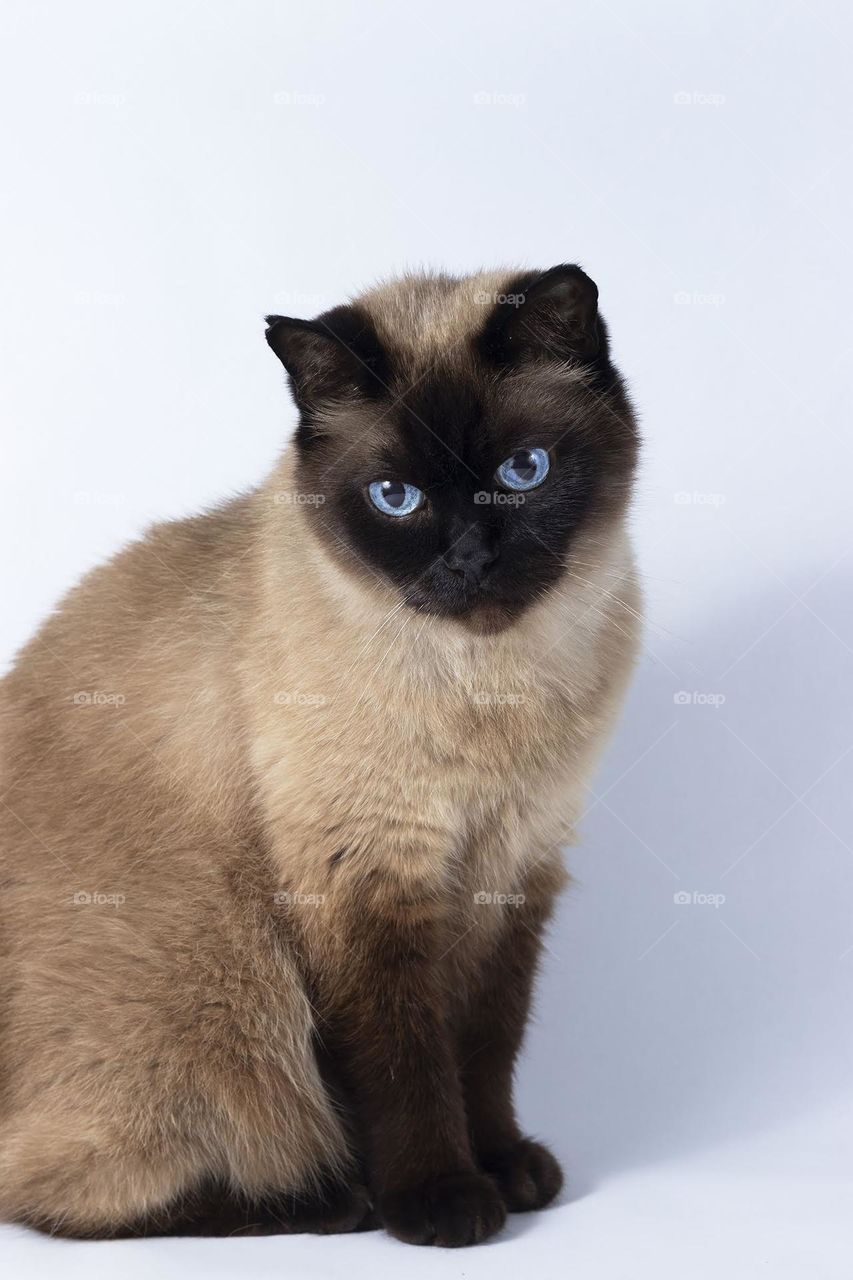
[457,435]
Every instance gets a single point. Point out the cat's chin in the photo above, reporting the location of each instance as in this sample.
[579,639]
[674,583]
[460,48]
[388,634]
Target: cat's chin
[486,618]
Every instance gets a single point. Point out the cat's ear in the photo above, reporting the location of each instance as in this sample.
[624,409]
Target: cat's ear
[331,358]
[553,315]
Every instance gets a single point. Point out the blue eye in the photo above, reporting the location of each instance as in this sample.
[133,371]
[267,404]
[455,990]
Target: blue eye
[524,470]
[394,498]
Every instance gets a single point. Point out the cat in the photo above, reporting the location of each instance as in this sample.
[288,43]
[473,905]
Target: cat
[285,787]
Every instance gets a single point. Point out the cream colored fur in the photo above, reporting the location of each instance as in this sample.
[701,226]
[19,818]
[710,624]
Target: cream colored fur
[204,720]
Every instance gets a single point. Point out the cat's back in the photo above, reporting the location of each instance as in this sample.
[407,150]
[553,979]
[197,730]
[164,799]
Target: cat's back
[137,640]
[178,576]
[120,722]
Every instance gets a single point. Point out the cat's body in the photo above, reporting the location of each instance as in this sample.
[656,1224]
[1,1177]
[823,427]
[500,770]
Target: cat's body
[277,843]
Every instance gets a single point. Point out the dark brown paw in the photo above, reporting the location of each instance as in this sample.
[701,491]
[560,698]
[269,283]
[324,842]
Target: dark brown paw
[454,1210]
[336,1208]
[527,1174]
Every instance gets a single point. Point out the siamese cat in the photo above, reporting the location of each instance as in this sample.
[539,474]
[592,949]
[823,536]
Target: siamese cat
[285,785]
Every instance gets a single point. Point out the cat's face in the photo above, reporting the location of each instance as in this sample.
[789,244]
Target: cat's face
[455,440]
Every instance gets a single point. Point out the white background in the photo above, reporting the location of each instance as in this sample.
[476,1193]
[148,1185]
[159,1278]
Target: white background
[171,171]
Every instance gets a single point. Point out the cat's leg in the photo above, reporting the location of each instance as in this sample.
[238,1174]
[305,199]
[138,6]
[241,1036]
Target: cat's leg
[330,1207]
[375,950]
[106,1146]
[69,1173]
[490,1036]
[89,1180]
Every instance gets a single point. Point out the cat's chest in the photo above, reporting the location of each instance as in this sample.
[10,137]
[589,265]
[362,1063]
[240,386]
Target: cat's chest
[487,737]
[473,760]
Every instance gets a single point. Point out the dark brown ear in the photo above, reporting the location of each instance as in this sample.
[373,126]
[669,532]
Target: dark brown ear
[545,316]
[330,358]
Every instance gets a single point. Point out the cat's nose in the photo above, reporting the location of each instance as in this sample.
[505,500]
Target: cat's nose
[471,556]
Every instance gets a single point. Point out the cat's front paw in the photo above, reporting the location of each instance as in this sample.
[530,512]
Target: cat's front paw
[453,1210]
[528,1176]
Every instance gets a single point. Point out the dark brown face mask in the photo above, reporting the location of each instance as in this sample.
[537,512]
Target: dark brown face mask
[463,483]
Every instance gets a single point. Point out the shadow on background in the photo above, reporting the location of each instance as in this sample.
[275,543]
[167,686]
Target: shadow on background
[667,1024]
